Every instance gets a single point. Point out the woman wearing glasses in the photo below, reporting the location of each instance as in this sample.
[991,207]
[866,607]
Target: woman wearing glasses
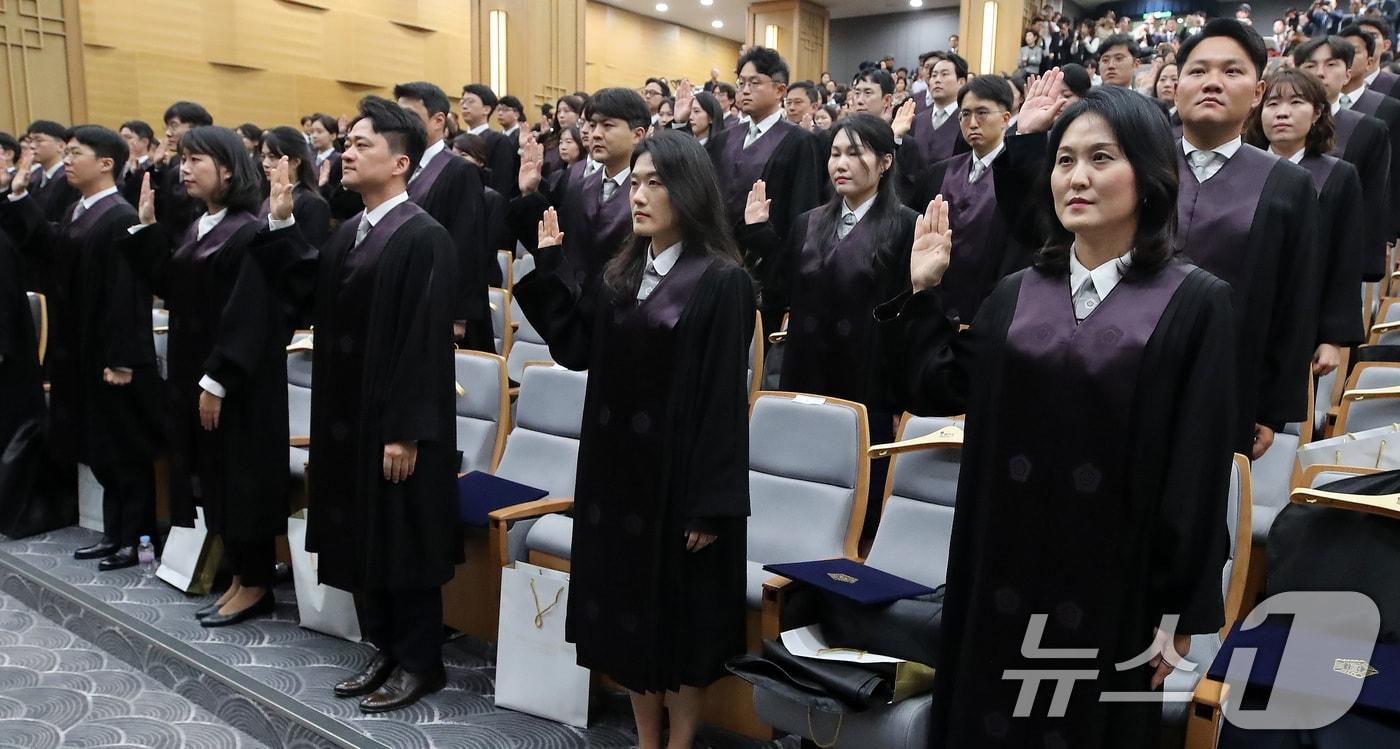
[311,210]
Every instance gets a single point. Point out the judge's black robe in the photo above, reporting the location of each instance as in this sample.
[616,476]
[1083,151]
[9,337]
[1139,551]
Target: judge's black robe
[1364,142]
[593,228]
[1113,429]
[1340,225]
[55,195]
[312,212]
[226,323]
[924,146]
[130,182]
[382,372]
[498,236]
[787,159]
[984,249]
[175,209]
[21,384]
[1385,83]
[449,189]
[663,451]
[1254,225]
[345,203]
[1387,110]
[503,159]
[99,318]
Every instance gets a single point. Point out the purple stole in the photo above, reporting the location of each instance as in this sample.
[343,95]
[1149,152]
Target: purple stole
[1213,220]
[935,145]
[1344,124]
[1367,102]
[977,259]
[214,241]
[1385,83]
[604,218]
[421,184]
[742,167]
[359,259]
[1320,168]
[663,308]
[76,229]
[573,177]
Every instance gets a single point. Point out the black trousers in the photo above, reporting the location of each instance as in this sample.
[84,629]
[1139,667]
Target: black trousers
[405,624]
[252,561]
[128,500]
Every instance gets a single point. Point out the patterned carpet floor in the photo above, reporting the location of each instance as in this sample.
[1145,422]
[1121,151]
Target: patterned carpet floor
[298,665]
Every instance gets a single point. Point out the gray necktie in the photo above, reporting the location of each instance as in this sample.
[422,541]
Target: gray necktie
[1086,299]
[940,116]
[361,231]
[609,187]
[1201,162]
[78,210]
[848,222]
[754,132]
[1344,101]
[978,169]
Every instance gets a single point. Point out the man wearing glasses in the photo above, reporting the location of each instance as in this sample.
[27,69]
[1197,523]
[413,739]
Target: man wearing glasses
[654,92]
[927,135]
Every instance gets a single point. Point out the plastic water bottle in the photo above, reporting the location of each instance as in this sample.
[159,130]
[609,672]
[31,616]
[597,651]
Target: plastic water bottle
[146,554]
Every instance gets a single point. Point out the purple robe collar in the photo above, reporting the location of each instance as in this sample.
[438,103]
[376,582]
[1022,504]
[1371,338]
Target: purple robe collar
[664,306]
[420,185]
[213,241]
[380,233]
[1345,124]
[92,214]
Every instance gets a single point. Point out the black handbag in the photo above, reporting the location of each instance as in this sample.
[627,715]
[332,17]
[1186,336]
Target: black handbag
[828,686]
[33,499]
[910,628]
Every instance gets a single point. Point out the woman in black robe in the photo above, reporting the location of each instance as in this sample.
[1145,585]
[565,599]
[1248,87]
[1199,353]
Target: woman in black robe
[1294,121]
[227,382]
[1091,503]
[312,211]
[836,264]
[657,594]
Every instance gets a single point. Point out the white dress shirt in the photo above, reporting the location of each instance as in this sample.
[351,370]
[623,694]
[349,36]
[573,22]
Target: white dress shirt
[323,155]
[657,267]
[1371,79]
[1351,96]
[1225,150]
[763,125]
[88,202]
[1296,158]
[428,155]
[1105,277]
[619,179]
[843,228]
[985,161]
[479,129]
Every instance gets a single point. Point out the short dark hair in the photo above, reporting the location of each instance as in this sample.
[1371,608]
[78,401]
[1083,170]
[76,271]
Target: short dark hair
[285,141]
[510,102]
[619,103]
[1377,23]
[665,87]
[727,89]
[989,88]
[1146,140]
[484,93]
[766,62]
[1336,46]
[305,119]
[244,191]
[434,98]
[1321,135]
[250,131]
[10,143]
[475,146]
[140,128]
[403,130]
[328,122]
[959,63]
[1229,28]
[103,142]
[808,89]
[188,112]
[1354,30]
[1119,40]
[879,77]
[47,127]
[1077,79]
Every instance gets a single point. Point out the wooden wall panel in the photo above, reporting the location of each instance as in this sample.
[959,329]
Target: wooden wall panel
[38,39]
[624,49]
[544,49]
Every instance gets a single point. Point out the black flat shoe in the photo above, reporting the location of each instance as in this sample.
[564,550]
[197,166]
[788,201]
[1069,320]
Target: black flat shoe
[104,547]
[403,689]
[369,679]
[208,611]
[119,560]
[263,607]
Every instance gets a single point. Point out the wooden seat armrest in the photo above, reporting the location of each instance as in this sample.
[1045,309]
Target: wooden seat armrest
[949,436]
[1204,714]
[777,336]
[775,593]
[1385,327]
[501,519]
[1361,394]
[299,440]
[160,329]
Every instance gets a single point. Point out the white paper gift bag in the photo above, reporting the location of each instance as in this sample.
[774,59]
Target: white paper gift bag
[191,557]
[321,608]
[89,500]
[537,671]
[1373,448]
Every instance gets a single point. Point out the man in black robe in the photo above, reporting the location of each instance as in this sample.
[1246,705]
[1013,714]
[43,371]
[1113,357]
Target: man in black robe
[1378,80]
[175,209]
[1357,96]
[139,137]
[450,190]
[772,149]
[21,384]
[49,188]
[1361,140]
[594,211]
[104,397]
[477,105]
[383,512]
[929,133]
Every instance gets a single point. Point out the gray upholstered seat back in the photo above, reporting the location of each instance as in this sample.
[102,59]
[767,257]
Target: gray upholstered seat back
[522,266]
[1271,476]
[479,407]
[161,319]
[36,311]
[1372,413]
[805,459]
[1392,313]
[1322,399]
[542,449]
[504,261]
[528,344]
[1232,521]
[916,526]
[299,392]
[500,316]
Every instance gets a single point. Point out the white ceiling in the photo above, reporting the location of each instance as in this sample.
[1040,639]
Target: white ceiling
[734,13]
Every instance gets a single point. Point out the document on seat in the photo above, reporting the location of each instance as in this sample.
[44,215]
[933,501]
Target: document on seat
[808,642]
[479,494]
[851,580]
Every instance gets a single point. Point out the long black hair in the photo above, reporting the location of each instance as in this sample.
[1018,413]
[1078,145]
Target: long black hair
[710,104]
[225,147]
[1146,140]
[285,141]
[868,132]
[684,167]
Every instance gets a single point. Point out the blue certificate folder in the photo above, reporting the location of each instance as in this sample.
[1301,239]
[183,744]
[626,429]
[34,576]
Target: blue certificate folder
[479,494]
[1379,674]
[851,580]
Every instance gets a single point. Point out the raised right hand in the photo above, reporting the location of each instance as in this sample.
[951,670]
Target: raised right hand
[933,246]
[19,184]
[531,165]
[146,206]
[903,119]
[549,233]
[1043,103]
[758,205]
[323,175]
[685,102]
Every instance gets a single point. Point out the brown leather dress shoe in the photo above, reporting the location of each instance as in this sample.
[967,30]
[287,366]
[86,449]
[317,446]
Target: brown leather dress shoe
[403,689]
[368,680]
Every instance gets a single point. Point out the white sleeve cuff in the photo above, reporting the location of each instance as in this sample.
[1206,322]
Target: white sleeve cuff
[273,224]
[136,227]
[211,386]
[123,370]
[16,197]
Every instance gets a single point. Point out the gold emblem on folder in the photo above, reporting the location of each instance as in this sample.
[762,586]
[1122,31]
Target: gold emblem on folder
[842,577]
[1353,668]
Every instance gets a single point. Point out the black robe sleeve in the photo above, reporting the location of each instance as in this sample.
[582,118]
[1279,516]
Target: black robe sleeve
[411,411]
[313,216]
[148,251]
[771,258]
[344,203]
[244,324]
[559,310]
[1017,172]
[523,214]
[1369,152]
[24,221]
[925,358]
[502,163]
[794,176]
[1341,223]
[1284,377]
[289,265]
[125,327]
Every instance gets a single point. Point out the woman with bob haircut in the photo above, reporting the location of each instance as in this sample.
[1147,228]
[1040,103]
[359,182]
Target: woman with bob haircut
[312,212]
[227,383]
[1091,503]
[1294,121]
[661,502]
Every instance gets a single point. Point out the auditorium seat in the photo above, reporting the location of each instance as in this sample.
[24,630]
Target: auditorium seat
[522,265]
[483,409]
[298,410]
[39,310]
[506,261]
[1386,328]
[1371,399]
[755,371]
[526,346]
[912,542]
[502,326]
[160,329]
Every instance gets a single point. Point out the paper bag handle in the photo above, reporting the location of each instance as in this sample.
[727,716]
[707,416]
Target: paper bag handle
[836,736]
[540,612]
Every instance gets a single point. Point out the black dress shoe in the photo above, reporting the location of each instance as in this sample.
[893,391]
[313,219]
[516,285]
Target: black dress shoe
[403,689]
[208,611]
[102,549]
[263,607]
[368,680]
[119,560]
